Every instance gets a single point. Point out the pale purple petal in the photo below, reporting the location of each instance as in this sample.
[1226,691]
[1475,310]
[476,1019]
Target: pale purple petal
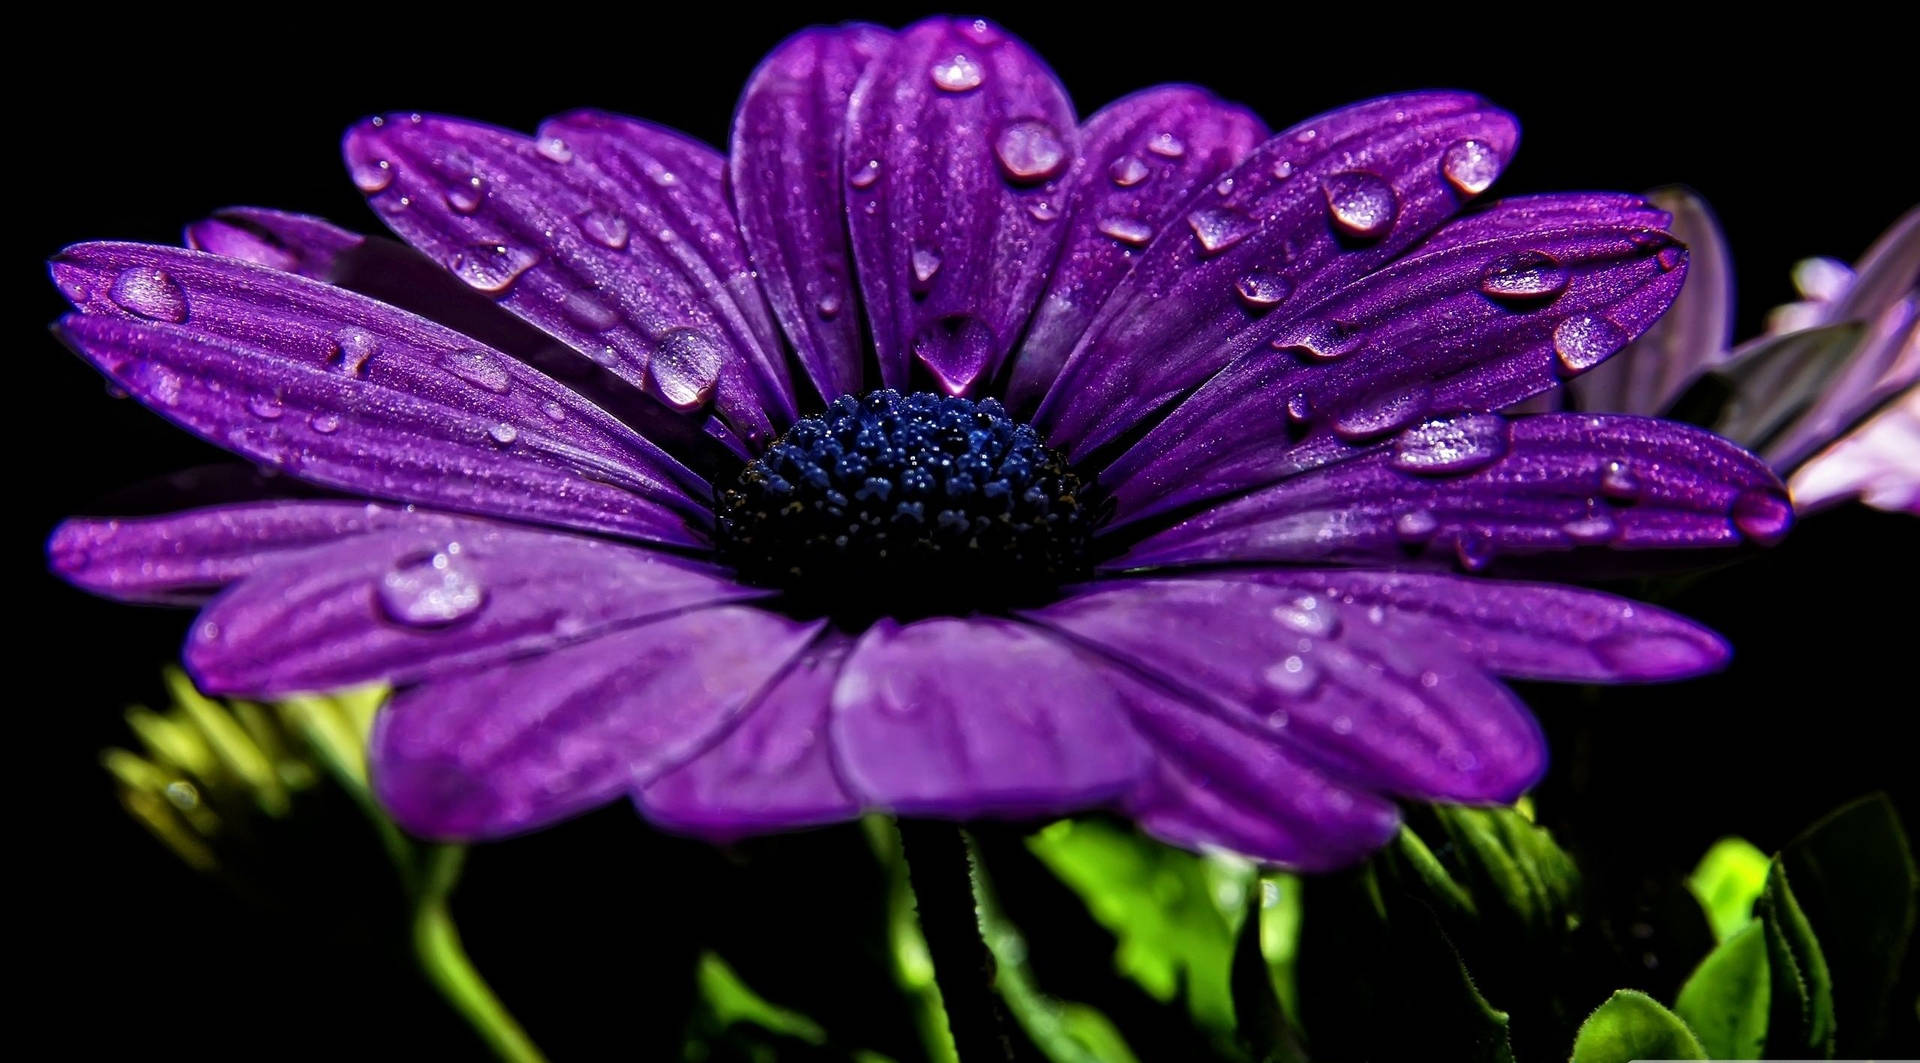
[633,281]
[1692,337]
[1141,160]
[1480,490]
[341,391]
[789,191]
[1372,698]
[1883,360]
[1496,307]
[292,243]
[1885,275]
[1878,462]
[774,770]
[522,744]
[1317,206]
[958,718]
[959,141]
[417,603]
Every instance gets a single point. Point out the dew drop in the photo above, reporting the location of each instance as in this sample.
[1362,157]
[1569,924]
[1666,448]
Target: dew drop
[266,407]
[1671,258]
[1474,548]
[1361,204]
[828,307]
[955,350]
[492,268]
[685,368]
[1591,530]
[1618,482]
[1261,290]
[1470,166]
[1451,445]
[150,293]
[979,31]
[1321,340]
[1584,341]
[1167,146]
[504,433]
[1416,526]
[1386,413]
[1762,515]
[324,423]
[864,175]
[1043,210]
[430,589]
[1307,616]
[353,348]
[1300,409]
[466,197]
[1342,724]
[957,73]
[1130,231]
[479,368]
[605,228]
[1128,170]
[554,411]
[1029,150]
[1523,277]
[554,149]
[1292,675]
[1218,228]
[590,311]
[371,175]
[1283,170]
[926,263]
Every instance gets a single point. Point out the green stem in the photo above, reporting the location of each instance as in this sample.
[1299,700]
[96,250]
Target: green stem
[436,943]
[941,870]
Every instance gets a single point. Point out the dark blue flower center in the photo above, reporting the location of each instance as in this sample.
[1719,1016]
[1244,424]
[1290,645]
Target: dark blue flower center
[904,505]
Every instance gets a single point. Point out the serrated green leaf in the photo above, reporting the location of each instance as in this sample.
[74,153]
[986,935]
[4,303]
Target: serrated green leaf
[1853,873]
[1632,1025]
[1800,1012]
[1726,882]
[1725,1001]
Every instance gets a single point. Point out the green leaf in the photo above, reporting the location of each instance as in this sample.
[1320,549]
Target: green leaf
[1632,1025]
[1725,1000]
[1262,1019]
[1727,882]
[1490,864]
[1174,914]
[1853,873]
[1800,1018]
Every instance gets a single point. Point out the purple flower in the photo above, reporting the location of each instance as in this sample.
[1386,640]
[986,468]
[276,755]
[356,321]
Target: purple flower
[1233,551]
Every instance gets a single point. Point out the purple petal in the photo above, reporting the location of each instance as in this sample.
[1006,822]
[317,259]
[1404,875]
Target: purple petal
[1141,160]
[959,141]
[1371,698]
[1474,490]
[774,770]
[790,191]
[292,243]
[181,557]
[1496,307]
[1217,785]
[1882,363]
[344,392]
[959,718]
[1689,339]
[1539,631]
[525,743]
[417,603]
[645,281]
[1885,276]
[1315,207]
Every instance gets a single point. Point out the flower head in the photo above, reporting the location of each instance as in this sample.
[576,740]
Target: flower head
[932,451]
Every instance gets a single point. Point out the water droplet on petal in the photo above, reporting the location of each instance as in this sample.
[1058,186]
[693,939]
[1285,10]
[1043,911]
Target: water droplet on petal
[1416,526]
[466,197]
[1291,675]
[1763,515]
[605,228]
[926,263]
[1167,146]
[1591,530]
[1043,210]
[1451,445]
[1029,150]
[1322,340]
[1283,170]
[479,368]
[150,293]
[1474,548]
[828,306]
[1523,277]
[1307,616]
[430,589]
[685,368]
[504,433]
[864,175]
[371,175]
[958,73]
[1361,204]
[554,411]
[1128,170]
[324,423]
[979,31]
[590,311]
[1618,482]
[1383,414]
[554,149]
[1218,228]
[1585,340]
[1126,230]
[1470,166]
[492,268]
[266,407]
[1671,258]
[1261,290]
[955,350]
[1300,409]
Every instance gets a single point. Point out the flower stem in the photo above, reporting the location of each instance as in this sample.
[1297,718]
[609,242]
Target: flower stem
[942,874]
[436,943]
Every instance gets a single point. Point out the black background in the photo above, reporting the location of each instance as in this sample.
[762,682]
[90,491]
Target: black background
[1799,139]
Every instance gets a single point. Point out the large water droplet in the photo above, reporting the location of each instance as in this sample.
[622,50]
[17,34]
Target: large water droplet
[1361,204]
[1219,228]
[492,268]
[685,368]
[150,293]
[1524,277]
[1029,150]
[1451,445]
[479,368]
[1167,146]
[606,228]
[1584,341]
[371,175]
[865,174]
[431,589]
[958,73]
[1322,340]
[466,197]
[1128,170]
[591,311]
[955,350]
[1382,414]
[1261,290]
[1763,515]
[1470,166]
[1131,231]
[353,348]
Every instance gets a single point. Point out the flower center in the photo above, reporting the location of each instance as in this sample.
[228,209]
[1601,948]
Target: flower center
[907,505]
